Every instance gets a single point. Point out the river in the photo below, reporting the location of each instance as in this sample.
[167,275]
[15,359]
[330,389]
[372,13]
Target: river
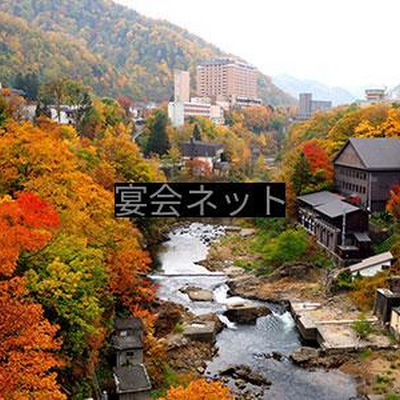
[244,344]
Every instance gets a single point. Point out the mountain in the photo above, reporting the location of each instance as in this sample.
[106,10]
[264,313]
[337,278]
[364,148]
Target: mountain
[320,91]
[113,48]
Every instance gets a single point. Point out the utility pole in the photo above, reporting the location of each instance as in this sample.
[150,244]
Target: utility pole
[344,226]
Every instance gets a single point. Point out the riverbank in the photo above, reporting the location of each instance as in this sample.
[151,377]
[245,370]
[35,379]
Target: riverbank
[259,348]
[373,361]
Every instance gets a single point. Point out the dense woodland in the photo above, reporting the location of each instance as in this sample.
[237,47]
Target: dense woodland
[112,48]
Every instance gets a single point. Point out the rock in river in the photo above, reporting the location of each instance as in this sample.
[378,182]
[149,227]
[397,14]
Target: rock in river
[244,313]
[304,355]
[243,373]
[197,294]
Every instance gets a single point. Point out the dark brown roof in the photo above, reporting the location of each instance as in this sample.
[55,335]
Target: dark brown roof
[377,154]
[200,149]
[127,342]
[128,323]
[132,379]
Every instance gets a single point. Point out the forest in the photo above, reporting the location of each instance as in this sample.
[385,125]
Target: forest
[112,48]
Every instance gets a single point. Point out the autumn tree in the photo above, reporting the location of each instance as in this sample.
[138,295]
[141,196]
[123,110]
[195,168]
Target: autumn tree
[27,340]
[257,119]
[393,205]
[28,347]
[318,159]
[25,225]
[200,389]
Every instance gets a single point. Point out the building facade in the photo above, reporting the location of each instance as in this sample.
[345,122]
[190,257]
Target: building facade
[338,226]
[181,86]
[227,78]
[366,170]
[208,153]
[130,375]
[180,112]
[308,106]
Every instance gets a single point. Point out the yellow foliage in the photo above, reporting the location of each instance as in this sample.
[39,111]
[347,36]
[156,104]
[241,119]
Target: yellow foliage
[200,390]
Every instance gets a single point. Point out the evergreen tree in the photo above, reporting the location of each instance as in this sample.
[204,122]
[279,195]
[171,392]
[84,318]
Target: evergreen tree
[301,174]
[196,133]
[29,83]
[158,142]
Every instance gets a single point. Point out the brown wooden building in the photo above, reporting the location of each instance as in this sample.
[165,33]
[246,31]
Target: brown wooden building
[340,227]
[367,169]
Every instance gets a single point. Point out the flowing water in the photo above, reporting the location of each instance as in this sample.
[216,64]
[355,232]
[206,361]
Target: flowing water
[244,344]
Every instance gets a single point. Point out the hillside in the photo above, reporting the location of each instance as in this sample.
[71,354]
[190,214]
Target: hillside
[320,91]
[136,55]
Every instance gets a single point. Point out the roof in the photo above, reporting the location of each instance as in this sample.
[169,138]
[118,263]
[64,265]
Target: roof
[127,342]
[122,324]
[362,237]
[396,310]
[372,261]
[132,379]
[377,154]
[196,148]
[320,198]
[336,208]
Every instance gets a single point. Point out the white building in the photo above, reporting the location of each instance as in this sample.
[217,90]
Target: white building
[181,86]
[372,265]
[180,112]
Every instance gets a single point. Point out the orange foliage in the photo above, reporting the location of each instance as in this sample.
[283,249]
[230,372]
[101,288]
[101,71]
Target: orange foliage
[393,205]
[200,389]
[198,168]
[127,269]
[318,158]
[25,225]
[27,346]
[364,291]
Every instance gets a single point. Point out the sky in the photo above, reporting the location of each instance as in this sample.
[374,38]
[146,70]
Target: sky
[347,43]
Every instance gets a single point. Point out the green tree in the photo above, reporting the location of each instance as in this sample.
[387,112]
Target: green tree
[3,111]
[196,133]
[289,246]
[29,83]
[302,176]
[158,142]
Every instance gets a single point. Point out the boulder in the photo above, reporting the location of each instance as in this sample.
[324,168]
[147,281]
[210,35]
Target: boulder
[299,271]
[168,316]
[304,355]
[200,331]
[243,373]
[197,294]
[219,325]
[245,313]
[247,232]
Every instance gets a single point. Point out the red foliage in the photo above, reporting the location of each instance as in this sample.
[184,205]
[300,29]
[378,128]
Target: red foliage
[318,158]
[25,225]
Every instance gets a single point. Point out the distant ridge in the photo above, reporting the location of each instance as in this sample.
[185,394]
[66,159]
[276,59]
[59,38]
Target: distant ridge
[320,91]
[112,48]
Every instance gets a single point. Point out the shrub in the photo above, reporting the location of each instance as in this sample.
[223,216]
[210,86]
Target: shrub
[288,247]
[363,328]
